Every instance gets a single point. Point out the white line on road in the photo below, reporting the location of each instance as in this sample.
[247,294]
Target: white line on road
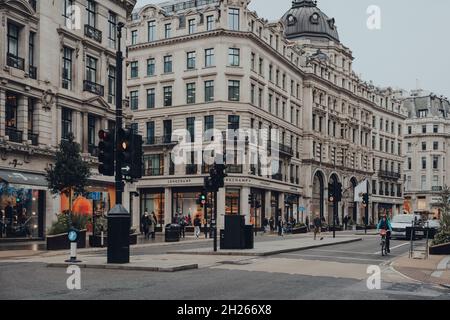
[396,247]
[329,257]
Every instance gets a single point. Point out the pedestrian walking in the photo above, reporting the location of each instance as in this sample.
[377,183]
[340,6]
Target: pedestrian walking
[146,225]
[280,227]
[308,227]
[197,226]
[153,223]
[271,223]
[346,222]
[182,223]
[265,225]
[317,226]
[205,228]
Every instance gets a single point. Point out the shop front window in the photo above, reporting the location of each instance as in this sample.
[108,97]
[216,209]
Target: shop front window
[154,202]
[185,204]
[232,201]
[21,212]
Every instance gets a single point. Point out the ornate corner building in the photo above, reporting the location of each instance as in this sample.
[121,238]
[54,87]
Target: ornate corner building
[427,137]
[56,77]
[198,65]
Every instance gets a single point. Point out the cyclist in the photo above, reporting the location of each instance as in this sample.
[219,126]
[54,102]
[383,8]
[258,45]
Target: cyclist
[385,224]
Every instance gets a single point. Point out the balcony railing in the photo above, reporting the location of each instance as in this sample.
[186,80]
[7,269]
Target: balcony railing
[14,134]
[34,138]
[436,188]
[191,169]
[32,72]
[160,141]
[389,175]
[283,149]
[278,177]
[16,62]
[92,33]
[234,168]
[93,88]
[153,172]
[93,150]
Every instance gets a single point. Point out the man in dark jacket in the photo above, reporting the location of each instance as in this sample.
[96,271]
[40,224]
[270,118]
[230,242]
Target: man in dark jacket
[317,226]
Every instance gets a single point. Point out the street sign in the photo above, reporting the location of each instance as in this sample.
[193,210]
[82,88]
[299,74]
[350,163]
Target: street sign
[72,236]
[302,209]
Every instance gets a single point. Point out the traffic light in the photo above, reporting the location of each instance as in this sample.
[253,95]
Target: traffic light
[365,202]
[124,151]
[208,185]
[106,153]
[331,193]
[251,198]
[221,175]
[202,200]
[130,153]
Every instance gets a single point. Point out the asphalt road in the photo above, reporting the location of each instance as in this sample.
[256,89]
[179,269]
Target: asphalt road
[36,281]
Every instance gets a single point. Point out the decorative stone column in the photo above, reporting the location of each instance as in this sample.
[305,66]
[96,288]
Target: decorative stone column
[22,116]
[245,206]
[84,132]
[220,210]
[167,207]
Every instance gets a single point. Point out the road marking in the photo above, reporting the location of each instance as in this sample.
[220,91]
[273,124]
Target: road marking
[352,252]
[396,247]
[441,267]
[319,256]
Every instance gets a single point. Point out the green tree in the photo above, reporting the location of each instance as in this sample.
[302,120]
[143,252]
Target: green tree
[70,173]
[444,207]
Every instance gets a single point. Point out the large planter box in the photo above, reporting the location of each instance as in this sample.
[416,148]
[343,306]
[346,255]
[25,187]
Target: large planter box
[61,241]
[95,242]
[442,249]
[300,230]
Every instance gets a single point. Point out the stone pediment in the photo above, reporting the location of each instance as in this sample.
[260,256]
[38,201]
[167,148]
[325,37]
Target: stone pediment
[98,102]
[20,5]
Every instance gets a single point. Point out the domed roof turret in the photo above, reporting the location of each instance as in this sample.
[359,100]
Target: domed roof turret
[306,20]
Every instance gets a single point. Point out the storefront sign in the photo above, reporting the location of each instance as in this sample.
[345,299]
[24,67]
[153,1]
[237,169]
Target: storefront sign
[238,180]
[179,181]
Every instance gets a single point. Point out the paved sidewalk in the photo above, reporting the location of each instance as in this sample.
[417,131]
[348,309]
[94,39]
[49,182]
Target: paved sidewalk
[268,248]
[435,270]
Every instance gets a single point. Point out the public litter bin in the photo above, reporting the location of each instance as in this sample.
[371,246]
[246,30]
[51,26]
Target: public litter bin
[249,237]
[172,233]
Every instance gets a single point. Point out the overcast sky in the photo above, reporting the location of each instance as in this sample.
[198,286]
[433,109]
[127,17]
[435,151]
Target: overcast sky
[412,44]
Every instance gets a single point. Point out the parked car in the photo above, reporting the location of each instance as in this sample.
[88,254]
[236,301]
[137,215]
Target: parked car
[434,224]
[401,222]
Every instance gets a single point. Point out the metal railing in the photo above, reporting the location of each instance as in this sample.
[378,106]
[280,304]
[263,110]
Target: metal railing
[153,172]
[93,87]
[158,141]
[389,174]
[34,138]
[436,188]
[14,134]
[233,168]
[92,33]
[277,176]
[32,72]
[191,169]
[15,62]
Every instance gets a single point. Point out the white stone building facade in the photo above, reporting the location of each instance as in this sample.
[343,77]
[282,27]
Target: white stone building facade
[216,64]
[57,62]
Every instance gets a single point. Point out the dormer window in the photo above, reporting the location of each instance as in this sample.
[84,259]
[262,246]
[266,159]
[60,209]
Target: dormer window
[331,23]
[291,20]
[314,18]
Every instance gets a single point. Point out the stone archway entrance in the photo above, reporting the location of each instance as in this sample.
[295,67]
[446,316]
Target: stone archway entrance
[333,179]
[318,194]
[352,207]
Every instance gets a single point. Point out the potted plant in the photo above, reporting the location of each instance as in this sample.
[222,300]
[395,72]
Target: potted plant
[68,176]
[57,238]
[441,242]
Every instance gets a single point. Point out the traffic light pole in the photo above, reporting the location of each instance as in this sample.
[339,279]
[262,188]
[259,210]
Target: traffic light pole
[335,213]
[366,210]
[119,113]
[215,221]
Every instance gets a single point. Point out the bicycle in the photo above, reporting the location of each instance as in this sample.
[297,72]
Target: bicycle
[384,250]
